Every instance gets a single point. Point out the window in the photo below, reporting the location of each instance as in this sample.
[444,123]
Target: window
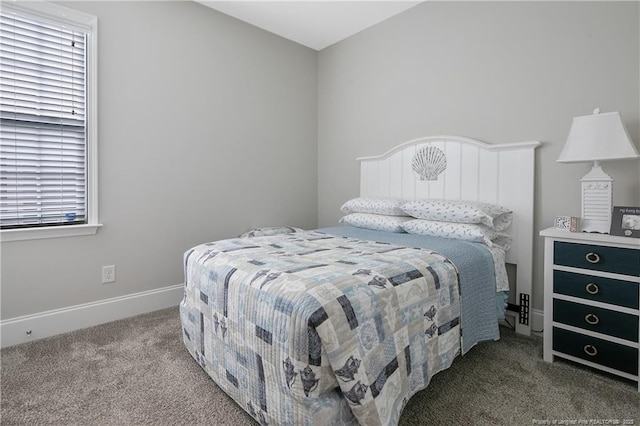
[48,158]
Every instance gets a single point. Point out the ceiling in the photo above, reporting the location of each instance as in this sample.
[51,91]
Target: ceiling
[315,24]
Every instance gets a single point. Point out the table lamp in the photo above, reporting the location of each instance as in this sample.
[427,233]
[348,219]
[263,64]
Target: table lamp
[597,137]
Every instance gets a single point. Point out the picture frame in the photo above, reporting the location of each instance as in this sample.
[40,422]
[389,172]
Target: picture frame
[625,221]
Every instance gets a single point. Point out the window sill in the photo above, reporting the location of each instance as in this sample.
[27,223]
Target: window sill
[7,235]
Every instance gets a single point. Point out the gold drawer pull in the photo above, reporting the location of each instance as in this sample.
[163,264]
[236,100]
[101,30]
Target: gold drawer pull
[592,288]
[592,319]
[592,257]
[590,350]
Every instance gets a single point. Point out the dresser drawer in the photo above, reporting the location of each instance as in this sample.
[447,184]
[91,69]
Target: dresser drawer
[606,290]
[597,258]
[605,321]
[609,354]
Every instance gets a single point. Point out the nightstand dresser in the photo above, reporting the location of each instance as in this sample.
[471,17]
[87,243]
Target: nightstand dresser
[592,300]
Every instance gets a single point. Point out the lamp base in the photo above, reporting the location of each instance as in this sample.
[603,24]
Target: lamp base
[597,200]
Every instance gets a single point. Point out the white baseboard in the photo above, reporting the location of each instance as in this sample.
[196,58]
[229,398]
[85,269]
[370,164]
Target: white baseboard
[45,324]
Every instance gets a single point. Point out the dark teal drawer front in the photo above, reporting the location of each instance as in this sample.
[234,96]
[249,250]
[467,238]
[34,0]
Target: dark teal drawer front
[605,321]
[606,290]
[608,259]
[609,354]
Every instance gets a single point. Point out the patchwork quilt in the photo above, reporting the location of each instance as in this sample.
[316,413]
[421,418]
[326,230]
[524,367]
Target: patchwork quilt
[311,328]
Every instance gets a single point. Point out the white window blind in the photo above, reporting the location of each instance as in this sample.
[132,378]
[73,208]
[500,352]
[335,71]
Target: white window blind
[43,130]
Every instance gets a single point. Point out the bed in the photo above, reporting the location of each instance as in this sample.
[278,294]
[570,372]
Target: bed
[342,325]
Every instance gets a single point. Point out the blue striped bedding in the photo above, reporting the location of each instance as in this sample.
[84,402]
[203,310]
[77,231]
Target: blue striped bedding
[329,326]
[477,277]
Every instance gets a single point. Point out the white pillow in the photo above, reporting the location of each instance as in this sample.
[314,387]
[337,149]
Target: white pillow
[460,211]
[386,206]
[461,231]
[377,222]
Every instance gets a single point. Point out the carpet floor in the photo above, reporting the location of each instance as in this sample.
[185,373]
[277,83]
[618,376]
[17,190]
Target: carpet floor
[137,372]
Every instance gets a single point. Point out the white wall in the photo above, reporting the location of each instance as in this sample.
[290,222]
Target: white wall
[207,128]
[496,71]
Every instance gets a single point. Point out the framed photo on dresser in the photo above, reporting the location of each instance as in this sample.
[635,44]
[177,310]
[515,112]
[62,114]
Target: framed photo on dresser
[625,221]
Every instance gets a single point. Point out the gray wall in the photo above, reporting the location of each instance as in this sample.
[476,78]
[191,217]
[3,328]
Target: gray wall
[500,72]
[207,128]
[227,127]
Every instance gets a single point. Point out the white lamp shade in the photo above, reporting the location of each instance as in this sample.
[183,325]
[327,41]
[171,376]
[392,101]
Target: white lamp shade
[598,137]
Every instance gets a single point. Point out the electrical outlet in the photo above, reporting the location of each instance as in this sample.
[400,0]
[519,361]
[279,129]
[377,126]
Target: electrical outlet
[108,274]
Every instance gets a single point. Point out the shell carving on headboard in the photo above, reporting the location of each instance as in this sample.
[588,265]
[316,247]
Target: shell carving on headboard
[428,162]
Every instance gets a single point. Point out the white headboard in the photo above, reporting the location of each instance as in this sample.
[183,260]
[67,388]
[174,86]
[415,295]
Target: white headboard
[495,173]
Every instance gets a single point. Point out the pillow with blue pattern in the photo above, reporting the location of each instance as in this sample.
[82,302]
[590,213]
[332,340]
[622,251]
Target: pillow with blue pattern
[377,222]
[460,211]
